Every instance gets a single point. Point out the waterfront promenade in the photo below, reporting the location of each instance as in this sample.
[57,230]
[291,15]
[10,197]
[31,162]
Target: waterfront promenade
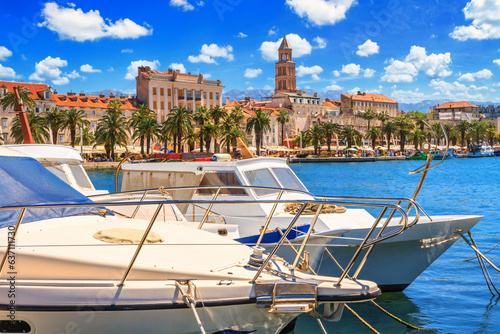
[100,165]
[344,159]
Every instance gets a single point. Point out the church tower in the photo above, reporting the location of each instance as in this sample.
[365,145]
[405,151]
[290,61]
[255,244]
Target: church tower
[285,80]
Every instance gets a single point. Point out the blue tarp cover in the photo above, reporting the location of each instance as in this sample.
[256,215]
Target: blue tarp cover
[24,182]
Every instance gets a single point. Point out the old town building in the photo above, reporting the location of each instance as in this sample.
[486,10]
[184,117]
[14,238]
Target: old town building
[165,90]
[356,104]
[457,111]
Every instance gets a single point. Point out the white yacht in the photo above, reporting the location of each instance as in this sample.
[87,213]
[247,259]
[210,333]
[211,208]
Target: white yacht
[70,264]
[477,151]
[393,263]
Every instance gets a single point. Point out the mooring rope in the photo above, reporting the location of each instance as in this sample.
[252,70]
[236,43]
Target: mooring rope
[190,302]
[361,319]
[489,250]
[400,320]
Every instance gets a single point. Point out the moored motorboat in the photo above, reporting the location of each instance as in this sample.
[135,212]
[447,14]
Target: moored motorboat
[70,263]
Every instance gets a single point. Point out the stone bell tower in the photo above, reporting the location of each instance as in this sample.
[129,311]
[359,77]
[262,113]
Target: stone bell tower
[285,80]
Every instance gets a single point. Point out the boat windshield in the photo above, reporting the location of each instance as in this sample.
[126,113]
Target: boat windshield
[262,178]
[56,169]
[288,179]
[220,178]
[80,175]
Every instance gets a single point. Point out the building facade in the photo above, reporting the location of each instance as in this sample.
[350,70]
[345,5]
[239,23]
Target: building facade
[165,90]
[357,104]
[285,79]
[457,111]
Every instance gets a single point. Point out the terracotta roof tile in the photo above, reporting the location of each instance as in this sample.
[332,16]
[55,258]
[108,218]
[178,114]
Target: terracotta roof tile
[77,101]
[234,103]
[370,97]
[450,105]
[34,88]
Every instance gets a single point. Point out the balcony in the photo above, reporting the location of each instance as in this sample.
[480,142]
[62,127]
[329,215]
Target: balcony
[181,97]
[190,98]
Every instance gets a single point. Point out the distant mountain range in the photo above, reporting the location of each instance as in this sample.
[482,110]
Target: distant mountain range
[107,92]
[258,94]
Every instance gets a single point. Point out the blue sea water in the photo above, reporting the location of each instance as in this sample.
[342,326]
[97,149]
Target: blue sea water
[451,296]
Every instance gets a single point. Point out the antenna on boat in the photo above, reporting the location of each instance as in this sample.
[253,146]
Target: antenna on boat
[23,119]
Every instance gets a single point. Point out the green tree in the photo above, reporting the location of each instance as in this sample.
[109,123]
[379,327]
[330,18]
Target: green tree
[180,120]
[316,137]
[329,130]
[260,123]
[209,131]
[164,135]
[389,129]
[53,117]
[438,132]
[383,117]
[418,137]
[217,114]
[138,117]
[420,119]
[463,127]
[229,137]
[478,130]
[111,131]
[201,116]
[369,115]
[38,127]
[149,129]
[9,100]
[72,119]
[373,134]
[350,135]
[88,137]
[404,126]
[237,115]
[283,118]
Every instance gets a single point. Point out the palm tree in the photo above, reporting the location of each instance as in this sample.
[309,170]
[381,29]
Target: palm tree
[111,131]
[229,136]
[38,126]
[383,117]
[463,127]
[217,113]
[147,129]
[420,119]
[388,129]
[53,118]
[72,119]
[137,117]
[164,135]
[478,130]
[438,132]
[180,120]
[329,130]
[350,135]
[259,123]
[316,136]
[418,137]
[237,115]
[209,131]
[201,116]
[404,125]
[283,118]
[87,136]
[368,115]
[9,100]
[373,134]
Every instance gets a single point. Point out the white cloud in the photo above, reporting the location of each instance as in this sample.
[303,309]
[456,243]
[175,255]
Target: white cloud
[74,24]
[351,69]
[434,65]
[209,52]
[273,31]
[111,69]
[207,76]
[367,48]
[368,73]
[4,53]
[250,88]
[267,87]
[457,91]
[321,12]
[315,77]
[127,51]
[483,74]
[242,35]
[320,43]
[73,75]
[408,96]
[252,72]
[49,69]
[182,4]
[89,69]
[353,91]
[313,70]
[200,3]
[497,61]
[8,73]
[333,87]
[377,90]
[336,73]
[132,68]
[433,36]
[300,46]
[178,66]
[485,16]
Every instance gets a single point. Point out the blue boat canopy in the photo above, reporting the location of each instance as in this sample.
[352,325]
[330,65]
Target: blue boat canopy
[25,182]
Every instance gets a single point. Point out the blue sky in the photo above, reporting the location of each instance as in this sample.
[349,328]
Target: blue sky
[408,50]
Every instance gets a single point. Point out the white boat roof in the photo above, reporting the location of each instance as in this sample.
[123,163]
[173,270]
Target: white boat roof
[47,151]
[199,166]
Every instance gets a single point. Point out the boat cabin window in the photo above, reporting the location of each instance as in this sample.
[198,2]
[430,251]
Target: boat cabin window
[262,178]
[288,179]
[219,179]
[80,176]
[56,169]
